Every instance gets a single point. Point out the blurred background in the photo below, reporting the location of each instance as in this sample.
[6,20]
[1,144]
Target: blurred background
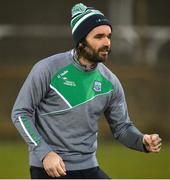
[32,30]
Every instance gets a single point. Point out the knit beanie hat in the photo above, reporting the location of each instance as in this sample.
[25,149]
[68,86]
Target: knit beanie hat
[84,19]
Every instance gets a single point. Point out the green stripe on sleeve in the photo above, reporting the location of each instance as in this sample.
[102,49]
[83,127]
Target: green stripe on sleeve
[30,130]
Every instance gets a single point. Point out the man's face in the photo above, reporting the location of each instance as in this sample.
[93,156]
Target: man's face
[97,45]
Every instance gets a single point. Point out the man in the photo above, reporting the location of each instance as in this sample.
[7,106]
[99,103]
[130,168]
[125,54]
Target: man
[64,95]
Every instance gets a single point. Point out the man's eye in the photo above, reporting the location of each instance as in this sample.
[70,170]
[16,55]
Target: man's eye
[110,36]
[98,37]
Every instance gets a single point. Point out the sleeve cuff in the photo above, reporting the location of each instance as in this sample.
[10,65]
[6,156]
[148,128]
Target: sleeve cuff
[41,151]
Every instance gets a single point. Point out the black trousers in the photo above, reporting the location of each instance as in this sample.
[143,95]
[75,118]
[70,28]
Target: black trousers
[92,173]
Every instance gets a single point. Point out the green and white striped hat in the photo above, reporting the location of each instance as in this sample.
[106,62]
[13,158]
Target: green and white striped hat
[84,19]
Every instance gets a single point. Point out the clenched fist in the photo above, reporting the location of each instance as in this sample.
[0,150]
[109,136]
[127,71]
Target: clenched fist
[152,142]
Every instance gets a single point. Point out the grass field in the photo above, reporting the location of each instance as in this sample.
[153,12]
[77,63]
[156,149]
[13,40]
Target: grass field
[116,160]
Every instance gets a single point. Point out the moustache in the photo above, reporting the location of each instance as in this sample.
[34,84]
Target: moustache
[104,48]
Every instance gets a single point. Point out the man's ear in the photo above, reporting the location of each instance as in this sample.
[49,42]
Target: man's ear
[81,45]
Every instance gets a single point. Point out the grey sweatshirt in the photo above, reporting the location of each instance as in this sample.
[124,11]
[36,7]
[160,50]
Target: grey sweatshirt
[58,107]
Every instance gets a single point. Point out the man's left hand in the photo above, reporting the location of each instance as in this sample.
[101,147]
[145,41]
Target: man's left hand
[152,142]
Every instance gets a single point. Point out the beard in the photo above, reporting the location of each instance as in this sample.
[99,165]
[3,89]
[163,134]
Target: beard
[94,55]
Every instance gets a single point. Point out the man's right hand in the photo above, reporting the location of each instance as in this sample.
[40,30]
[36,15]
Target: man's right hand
[54,165]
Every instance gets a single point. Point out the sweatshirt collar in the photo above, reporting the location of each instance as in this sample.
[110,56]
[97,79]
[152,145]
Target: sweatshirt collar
[77,63]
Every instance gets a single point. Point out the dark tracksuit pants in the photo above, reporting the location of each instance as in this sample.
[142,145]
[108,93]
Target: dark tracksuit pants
[92,173]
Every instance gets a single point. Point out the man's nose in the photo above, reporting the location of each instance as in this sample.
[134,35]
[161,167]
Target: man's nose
[106,42]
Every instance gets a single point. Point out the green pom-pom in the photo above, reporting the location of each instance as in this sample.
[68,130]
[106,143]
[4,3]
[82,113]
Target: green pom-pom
[78,8]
